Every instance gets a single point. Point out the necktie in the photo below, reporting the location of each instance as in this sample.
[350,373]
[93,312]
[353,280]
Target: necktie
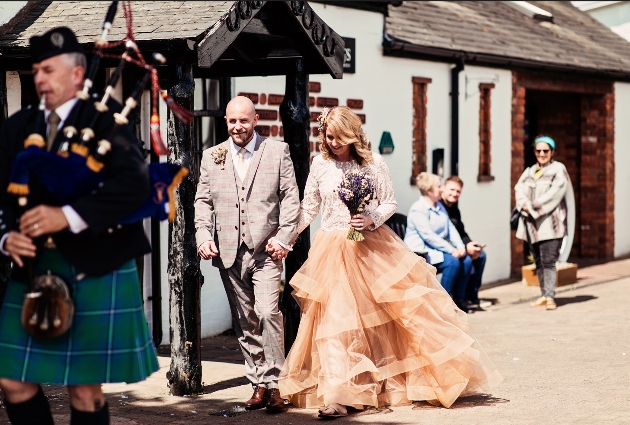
[241,166]
[53,124]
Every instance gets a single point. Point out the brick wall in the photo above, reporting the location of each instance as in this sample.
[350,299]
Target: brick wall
[597,203]
[579,114]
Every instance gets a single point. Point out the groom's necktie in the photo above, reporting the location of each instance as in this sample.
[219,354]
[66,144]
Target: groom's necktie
[241,165]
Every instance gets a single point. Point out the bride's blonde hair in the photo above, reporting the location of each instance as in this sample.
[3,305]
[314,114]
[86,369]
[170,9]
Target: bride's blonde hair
[346,126]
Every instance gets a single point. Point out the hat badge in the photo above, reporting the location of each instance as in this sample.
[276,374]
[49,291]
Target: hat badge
[57,40]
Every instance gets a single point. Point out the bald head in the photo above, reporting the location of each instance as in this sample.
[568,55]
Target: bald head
[241,118]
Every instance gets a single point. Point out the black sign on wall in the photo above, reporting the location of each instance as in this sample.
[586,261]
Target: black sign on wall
[349,56]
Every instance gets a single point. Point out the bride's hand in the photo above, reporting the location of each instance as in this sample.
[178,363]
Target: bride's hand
[360,221]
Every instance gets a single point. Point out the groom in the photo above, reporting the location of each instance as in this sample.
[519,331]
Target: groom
[247,198]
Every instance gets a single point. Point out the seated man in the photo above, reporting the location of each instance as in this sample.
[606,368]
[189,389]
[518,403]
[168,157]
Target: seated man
[450,195]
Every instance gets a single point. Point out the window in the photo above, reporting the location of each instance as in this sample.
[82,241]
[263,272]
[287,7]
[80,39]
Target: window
[419,144]
[485,134]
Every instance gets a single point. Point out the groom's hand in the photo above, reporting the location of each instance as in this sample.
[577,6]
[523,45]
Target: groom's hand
[208,250]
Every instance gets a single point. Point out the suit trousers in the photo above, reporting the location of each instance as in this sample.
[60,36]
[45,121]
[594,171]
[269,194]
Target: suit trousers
[252,286]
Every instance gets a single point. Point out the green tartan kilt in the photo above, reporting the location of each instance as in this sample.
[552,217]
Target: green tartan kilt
[108,341]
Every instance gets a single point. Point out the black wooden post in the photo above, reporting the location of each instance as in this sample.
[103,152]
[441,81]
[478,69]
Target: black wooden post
[5,264]
[296,123]
[184,274]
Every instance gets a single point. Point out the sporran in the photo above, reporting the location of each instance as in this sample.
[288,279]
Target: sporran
[48,308]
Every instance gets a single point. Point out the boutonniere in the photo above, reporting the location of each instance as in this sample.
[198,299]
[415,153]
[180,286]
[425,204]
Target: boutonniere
[219,155]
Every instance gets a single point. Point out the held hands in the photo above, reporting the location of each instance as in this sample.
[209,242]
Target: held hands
[35,222]
[276,251]
[208,250]
[473,250]
[360,221]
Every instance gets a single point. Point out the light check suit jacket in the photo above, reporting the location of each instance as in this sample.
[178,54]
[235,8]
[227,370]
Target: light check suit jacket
[272,198]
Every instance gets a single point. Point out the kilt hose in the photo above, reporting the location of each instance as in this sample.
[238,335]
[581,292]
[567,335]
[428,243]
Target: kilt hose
[108,341]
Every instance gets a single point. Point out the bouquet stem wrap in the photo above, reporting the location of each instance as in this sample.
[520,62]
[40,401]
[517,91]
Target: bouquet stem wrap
[356,190]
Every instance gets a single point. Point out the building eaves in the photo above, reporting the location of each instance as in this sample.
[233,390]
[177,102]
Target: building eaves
[492,33]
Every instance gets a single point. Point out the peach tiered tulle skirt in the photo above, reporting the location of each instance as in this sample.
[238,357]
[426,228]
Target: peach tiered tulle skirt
[378,329]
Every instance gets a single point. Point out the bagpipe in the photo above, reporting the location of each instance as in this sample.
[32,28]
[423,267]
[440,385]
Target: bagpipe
[77,168]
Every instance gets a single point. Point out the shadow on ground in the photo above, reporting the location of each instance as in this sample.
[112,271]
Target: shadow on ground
[572,300]
[465,402]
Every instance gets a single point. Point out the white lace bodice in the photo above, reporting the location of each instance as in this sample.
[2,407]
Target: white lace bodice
[323,180]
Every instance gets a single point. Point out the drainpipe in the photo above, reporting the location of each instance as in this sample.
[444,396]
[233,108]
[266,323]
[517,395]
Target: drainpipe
[459,67]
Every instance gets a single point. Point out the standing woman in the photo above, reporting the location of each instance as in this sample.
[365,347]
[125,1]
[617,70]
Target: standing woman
[540,199]
[376,327]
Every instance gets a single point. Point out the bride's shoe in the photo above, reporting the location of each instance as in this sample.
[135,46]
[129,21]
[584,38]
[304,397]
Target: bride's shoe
[333,410]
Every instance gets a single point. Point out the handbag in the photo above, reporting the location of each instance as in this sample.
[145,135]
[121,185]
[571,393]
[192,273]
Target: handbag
[514,217]
[48,309]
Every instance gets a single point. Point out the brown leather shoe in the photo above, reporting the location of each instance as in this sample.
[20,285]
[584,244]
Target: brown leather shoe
[275,403]
[258,400]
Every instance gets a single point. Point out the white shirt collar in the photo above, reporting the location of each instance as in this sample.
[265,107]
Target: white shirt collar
[63,111]
[248,147]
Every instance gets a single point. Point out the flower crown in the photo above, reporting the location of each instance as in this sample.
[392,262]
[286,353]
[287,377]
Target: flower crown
[322,119]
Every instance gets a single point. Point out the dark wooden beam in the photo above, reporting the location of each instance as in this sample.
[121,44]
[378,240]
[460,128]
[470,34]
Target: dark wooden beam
[218,40]
[295,116]
[5,264]
[184,274]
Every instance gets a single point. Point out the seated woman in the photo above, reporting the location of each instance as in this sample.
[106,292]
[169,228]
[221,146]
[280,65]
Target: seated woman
[430,230]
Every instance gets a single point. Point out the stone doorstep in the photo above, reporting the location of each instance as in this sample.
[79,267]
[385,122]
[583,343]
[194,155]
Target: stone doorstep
[566,274]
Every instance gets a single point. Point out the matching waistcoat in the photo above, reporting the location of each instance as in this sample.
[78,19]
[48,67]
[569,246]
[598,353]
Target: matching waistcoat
[244,234]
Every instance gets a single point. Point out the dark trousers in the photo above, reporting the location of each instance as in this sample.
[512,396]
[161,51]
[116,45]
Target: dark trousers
[546,254]
[474,283]
[455,275]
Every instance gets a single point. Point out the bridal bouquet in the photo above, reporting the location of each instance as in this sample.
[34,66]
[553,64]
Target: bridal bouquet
[356,190]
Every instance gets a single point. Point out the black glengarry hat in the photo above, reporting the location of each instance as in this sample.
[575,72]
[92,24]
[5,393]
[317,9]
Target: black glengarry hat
[54,42]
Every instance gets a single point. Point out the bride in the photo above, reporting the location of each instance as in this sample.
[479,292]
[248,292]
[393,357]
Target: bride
[376,328]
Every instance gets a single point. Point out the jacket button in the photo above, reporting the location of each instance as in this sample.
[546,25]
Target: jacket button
[243,188]
[242,199]
[236,205]
[243,211]
[119,226]
[110,230]
[243,223]
[235,227]
[243,235]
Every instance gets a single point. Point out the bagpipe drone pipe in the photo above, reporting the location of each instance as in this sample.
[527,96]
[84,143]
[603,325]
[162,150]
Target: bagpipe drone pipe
[77,168]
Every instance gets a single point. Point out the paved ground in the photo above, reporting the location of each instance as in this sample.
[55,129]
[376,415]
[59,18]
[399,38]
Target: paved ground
[569,366]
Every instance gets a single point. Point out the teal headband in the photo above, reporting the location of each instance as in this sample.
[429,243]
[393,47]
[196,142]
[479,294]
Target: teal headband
[545,139]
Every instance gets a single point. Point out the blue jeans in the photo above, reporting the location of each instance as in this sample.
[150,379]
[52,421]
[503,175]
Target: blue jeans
[474,283]
[455,274]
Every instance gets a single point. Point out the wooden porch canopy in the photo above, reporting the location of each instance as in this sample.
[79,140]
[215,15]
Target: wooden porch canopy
[243,38]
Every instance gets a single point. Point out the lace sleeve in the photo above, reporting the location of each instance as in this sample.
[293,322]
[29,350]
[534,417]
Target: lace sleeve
[309,208]
[384,194]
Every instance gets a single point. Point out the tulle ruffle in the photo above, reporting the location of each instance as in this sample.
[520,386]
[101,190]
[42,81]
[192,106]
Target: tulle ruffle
[378,329]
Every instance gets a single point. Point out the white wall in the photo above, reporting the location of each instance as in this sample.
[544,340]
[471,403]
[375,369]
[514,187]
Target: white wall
[14,92]
[622,170]
[485,206]
[385,85]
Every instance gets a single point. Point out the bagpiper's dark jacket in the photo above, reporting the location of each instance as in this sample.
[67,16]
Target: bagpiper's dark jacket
[104,246]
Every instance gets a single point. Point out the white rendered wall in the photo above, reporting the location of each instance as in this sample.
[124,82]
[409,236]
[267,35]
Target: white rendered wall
[14,92]
[485,206]
[622,171]
[385,85]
